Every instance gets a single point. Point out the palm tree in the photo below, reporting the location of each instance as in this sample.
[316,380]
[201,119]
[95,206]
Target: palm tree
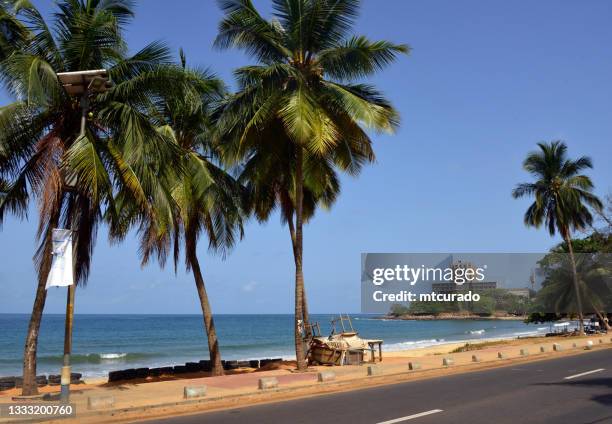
[74,178]
[562,197]
[201,198]
[302,92]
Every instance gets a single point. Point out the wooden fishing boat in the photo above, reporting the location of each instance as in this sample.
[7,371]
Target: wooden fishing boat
[343,347]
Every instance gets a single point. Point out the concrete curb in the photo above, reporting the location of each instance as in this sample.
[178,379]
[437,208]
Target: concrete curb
[100,402]
[267,383]
[374,370]
[324,376]
[190,392]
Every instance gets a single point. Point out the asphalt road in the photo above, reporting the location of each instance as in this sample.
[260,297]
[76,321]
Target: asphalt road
[538,392]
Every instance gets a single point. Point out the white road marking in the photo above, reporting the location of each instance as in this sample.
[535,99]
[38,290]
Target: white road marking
[411,417]
[584,373]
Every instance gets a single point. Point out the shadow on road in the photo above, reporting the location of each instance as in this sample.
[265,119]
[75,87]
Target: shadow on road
[591,382]
[601,420]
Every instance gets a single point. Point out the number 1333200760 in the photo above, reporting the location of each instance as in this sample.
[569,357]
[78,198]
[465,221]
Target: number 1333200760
[37,410]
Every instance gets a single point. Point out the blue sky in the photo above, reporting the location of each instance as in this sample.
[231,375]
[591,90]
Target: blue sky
[484,82]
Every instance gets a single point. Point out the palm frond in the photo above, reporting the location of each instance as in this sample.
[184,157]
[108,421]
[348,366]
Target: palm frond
[561,193]
[243,27]
[359,57]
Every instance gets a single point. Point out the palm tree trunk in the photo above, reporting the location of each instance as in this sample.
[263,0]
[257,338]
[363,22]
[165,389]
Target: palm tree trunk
[43,257]
[305,316]
[568,240]
[209,324]
[299,275]
[31,345]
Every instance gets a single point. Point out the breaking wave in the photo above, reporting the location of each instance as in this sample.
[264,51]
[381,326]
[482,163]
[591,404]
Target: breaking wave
[98,358]
[414,344]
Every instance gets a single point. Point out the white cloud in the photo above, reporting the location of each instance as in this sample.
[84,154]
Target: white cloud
[249,287]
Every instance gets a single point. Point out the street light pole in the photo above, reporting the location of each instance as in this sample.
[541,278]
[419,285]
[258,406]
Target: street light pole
[66,369]
[66,375]
[82,82]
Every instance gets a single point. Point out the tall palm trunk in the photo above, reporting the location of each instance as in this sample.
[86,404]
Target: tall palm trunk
[568,240]
[209,324]
[31,345]
[299,275]
[305,316]
[30,387]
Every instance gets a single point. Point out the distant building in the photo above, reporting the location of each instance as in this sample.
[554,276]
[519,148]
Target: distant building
[453,287]
[520,292]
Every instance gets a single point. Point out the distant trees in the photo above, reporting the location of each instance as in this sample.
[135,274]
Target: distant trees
[491,302]
[557,298]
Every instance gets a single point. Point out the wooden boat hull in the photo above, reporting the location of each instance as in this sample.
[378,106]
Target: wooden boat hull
[325,355]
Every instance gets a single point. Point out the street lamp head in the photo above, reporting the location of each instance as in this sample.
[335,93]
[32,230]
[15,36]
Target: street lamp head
[98,84]
[79,82]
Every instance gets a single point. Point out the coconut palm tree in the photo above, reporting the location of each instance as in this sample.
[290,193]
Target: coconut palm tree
[302,92]
[562,198]
[203,198]
[74,178]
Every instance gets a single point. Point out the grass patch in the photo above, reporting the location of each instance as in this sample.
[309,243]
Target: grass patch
[477,346]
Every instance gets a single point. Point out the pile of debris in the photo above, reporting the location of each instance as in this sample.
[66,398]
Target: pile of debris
[189,367]
[7,383]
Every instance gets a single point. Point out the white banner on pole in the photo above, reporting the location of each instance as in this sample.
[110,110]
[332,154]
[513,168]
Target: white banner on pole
[61,274]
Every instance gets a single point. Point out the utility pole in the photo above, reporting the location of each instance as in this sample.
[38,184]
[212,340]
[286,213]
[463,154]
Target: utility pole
[77,83]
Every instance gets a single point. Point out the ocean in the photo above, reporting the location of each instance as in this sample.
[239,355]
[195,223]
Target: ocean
[102,343]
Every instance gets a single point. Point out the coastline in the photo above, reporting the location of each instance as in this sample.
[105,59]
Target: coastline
[444,317]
